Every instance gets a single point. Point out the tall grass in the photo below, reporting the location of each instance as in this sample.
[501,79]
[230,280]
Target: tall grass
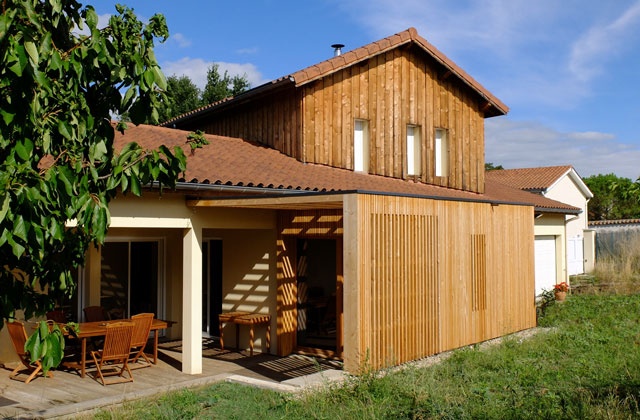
[584,362]
[617,268]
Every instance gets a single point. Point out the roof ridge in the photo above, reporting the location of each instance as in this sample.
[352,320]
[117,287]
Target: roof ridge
[411,34]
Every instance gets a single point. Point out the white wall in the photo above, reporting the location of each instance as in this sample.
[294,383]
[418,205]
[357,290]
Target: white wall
[568,192]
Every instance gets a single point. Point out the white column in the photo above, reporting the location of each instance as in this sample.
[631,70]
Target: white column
[192,300]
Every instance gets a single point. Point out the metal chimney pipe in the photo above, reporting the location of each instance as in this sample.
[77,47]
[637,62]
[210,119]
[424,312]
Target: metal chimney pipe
[337,49]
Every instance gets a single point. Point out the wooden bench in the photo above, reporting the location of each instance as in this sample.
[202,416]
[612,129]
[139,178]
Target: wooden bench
[245,318]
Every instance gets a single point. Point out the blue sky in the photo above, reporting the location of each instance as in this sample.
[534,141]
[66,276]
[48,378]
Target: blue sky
[569,70]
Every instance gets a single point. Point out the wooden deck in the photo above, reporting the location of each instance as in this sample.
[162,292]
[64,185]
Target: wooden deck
[66,393]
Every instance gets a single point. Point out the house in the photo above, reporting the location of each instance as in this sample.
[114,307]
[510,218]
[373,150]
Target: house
[347,201]
[564,243]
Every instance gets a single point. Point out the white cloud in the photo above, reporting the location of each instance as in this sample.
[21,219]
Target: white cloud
[525,144]
[180,40]
[601,42]
[247,51]
[196,69]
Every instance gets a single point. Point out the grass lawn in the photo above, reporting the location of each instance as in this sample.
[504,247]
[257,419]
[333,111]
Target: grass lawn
[584,364]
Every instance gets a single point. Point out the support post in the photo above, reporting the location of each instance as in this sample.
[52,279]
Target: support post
[192,301]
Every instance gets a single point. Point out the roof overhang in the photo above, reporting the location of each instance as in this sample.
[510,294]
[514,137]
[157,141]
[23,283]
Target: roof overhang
[304,200]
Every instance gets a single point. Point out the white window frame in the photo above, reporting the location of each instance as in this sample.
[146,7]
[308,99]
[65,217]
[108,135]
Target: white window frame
[441,148]
[361,145]
[414,151]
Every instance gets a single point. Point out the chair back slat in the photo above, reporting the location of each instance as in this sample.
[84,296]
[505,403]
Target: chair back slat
[18,337]
[142,327]
[117,342]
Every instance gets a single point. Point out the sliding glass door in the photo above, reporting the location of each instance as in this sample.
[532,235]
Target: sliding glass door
[211,286]
[130,280]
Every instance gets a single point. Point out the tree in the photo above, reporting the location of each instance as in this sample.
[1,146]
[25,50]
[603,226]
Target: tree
[223,86]
[60,82]
[182,96]
[612,198]
[488,166]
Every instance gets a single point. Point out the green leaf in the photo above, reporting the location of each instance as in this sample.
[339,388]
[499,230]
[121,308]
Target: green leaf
[128,97]
[65,175]
[91,17]
[135,185]
[64,128]
[24,149]
[7,116]
[5,207]
[16,248]
[19,59]
[44,329]
[161,81]
[32,50]
[56,5]
[98,151]
[19,227]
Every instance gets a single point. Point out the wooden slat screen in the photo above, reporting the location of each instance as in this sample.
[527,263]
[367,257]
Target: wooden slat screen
[287,296]
[403,291]
[436,275]
[292,225]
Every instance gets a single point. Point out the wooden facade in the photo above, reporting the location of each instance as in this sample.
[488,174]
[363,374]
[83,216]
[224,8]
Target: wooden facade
[405,86]
[391,91]
[421,276]
[434,275]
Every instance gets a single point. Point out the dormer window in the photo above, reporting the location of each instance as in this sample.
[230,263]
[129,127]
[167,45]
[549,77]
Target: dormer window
[361,146]
[441,152]
[414,152]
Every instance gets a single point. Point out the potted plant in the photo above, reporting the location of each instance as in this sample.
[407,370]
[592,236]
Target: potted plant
[560,291]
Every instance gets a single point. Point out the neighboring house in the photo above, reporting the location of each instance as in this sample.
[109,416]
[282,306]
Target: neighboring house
[564,244]
[348,201]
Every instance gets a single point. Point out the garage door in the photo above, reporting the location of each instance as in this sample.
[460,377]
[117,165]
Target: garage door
[545,254]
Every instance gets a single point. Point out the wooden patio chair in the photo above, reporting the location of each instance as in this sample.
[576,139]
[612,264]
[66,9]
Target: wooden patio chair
[19,338]
[94,314]
[113,359]
[57,316]
[142,327]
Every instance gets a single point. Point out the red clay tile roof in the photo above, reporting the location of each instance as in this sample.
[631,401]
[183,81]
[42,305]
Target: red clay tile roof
[238,163]
[530,179]
[350,58]
[378,47]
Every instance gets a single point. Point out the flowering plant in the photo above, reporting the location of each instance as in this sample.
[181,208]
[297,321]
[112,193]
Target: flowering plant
[561,287]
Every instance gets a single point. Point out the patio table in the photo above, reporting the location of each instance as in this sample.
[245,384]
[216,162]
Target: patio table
[245,318]
[99,329]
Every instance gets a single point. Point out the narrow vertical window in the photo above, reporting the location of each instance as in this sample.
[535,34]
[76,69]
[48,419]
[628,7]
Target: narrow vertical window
[361,146]
[441,153]
[414,162]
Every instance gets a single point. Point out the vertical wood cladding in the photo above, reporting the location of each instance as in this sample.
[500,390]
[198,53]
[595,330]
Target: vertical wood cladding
[315,122]
[392,90]
[272,119]
[438,275]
